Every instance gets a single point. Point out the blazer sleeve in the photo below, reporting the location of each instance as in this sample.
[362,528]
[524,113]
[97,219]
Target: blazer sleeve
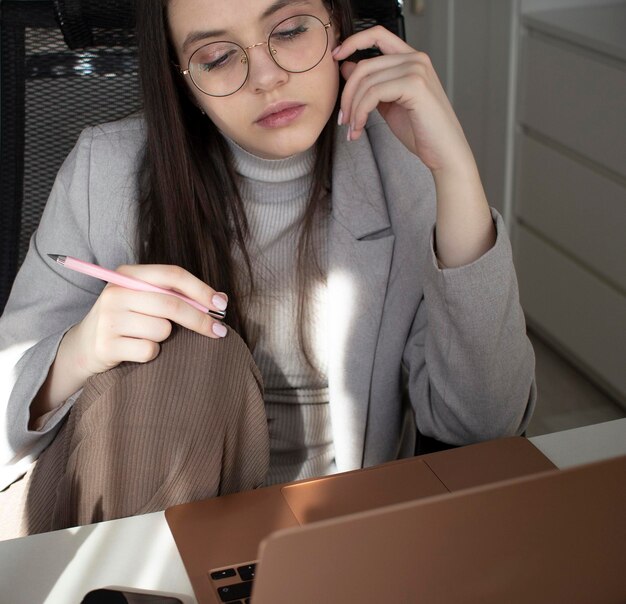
[470,364]
[46,300]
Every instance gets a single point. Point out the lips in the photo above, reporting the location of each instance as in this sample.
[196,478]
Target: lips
[280,114]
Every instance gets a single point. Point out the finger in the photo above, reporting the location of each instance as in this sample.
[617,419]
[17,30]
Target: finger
[179,280]
[347,69]
[389,89]
[378,36]
[372,70]
[168,307]
[141,326]
[353,72]
[136,350]
[399,85]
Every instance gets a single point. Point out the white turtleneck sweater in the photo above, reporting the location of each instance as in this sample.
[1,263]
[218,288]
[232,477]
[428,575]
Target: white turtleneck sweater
[275,194]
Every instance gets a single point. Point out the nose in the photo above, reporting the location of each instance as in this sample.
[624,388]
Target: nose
[264,74]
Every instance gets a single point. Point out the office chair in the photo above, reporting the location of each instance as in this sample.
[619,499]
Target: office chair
[387,13]
[66,65]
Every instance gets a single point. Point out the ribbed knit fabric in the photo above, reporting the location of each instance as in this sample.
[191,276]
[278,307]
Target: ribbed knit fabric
[142,437]
[276,194]
[192,423]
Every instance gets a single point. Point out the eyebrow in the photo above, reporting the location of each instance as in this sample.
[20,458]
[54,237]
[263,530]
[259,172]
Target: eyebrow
[196,36]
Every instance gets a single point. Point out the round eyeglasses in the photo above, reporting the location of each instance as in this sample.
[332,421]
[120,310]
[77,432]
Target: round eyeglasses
[296,45]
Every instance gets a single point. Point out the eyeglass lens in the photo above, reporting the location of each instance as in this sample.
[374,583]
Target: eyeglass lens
[296,44]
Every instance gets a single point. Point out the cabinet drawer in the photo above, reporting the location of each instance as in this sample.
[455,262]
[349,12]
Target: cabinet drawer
[578,209]
[576,99]
[583,314]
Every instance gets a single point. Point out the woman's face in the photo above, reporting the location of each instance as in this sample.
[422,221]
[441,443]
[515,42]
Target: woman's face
[304,101]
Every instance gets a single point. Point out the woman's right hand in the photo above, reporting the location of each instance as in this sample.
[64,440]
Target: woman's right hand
[127,325]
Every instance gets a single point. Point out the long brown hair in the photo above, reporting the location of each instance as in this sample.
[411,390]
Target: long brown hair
[190,210]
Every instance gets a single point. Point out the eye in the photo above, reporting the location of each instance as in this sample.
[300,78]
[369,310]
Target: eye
[290,29]
[215,59]
[289,34]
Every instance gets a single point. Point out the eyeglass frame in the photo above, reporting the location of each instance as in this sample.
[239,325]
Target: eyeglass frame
[245,50]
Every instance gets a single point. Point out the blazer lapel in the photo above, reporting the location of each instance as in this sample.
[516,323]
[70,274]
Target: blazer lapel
[360,251]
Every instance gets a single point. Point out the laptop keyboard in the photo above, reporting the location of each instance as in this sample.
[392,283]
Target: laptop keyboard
[234,585]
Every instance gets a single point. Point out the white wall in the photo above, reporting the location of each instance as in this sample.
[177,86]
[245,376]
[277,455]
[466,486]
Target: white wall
[468,42]
[429,32]
[532,5]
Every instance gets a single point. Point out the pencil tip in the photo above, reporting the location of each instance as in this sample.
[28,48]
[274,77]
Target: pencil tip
[57,258]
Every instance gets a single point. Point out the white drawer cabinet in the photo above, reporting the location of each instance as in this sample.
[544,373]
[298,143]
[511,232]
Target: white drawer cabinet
[580,211]
[569,228]
[580,312]
[575,98]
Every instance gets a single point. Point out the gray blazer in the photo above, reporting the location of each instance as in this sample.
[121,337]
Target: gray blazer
[453,339]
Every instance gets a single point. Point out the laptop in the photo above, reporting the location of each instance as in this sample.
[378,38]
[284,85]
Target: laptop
[554,537]
[222,540]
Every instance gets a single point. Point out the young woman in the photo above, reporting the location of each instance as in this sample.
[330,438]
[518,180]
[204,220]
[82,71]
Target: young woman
[334,209]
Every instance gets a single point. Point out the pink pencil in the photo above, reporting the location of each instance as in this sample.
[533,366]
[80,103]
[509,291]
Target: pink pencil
[93,270]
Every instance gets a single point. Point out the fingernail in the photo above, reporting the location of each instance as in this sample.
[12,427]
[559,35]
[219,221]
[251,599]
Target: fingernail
[340,118]
[349,132]
[220,302]
[219,330]
[336,50]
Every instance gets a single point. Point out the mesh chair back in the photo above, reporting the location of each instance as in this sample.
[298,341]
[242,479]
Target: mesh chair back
[49,93]
[66,65]
[387,13]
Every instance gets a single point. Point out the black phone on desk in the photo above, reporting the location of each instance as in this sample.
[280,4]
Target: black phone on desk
[117,596]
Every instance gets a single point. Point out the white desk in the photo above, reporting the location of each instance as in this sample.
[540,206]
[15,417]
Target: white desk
[139,553]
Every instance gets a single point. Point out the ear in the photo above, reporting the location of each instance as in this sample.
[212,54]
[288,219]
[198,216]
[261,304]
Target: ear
[337,34]
[336,28]
[188,89]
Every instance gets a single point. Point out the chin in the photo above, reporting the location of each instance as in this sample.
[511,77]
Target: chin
[285,142]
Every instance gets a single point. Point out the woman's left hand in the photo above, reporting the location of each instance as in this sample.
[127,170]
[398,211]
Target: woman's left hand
[403,86]
[405,89]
